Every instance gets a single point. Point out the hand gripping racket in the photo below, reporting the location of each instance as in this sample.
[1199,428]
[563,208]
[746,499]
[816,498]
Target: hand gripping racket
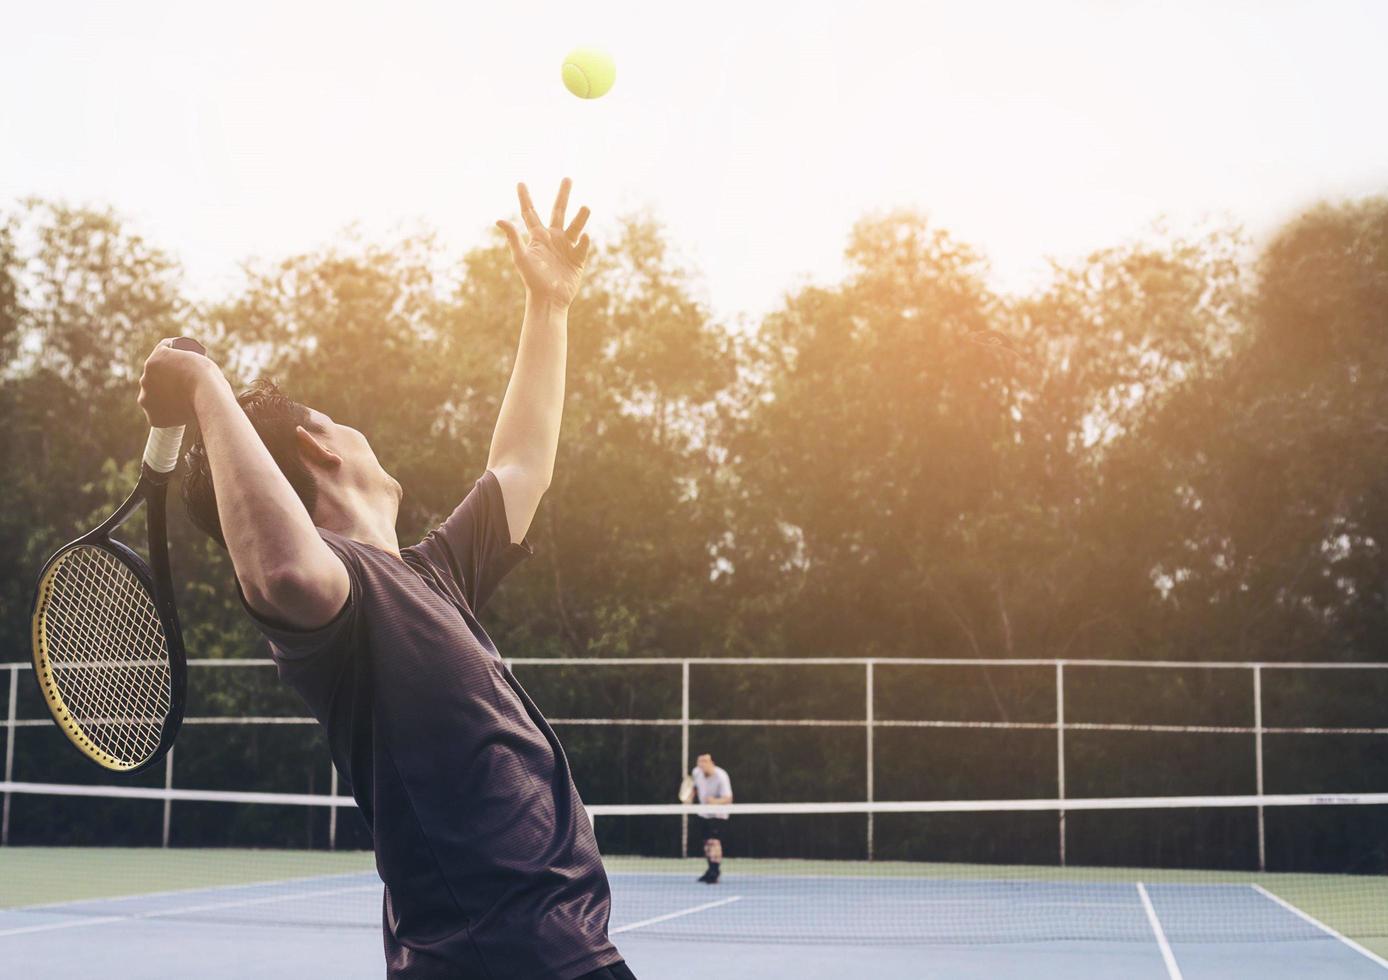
[108,654]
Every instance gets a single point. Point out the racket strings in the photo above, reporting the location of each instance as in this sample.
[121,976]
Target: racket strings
[108,654]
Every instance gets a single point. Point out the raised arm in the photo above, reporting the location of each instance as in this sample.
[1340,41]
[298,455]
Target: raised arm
[286,571]
[526,438]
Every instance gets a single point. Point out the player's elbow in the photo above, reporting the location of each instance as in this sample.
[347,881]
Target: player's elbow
[529,476]
[300,597]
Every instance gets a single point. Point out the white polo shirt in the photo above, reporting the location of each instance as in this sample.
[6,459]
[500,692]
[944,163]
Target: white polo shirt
[716,785]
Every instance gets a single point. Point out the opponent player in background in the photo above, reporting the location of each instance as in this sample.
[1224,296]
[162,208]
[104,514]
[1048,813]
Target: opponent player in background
[713,786]
[490,866]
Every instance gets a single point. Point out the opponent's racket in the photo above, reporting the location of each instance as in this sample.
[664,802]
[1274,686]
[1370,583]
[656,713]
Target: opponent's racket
[686,794]
[108,654]
[998,341]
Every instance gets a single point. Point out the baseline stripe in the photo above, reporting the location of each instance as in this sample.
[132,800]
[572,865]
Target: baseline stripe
[186,910]
[673,915]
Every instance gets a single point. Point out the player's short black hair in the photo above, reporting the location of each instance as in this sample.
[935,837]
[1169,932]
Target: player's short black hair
[275,416]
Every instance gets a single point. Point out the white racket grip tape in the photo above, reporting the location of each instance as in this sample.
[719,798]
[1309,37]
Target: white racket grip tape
[161,451]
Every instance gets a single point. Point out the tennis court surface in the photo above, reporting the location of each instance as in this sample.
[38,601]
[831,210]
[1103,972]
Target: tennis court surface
[131,912]
[242,856]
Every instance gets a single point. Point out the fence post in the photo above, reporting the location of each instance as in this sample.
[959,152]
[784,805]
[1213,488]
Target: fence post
[684,750]
[1060,749]
[332,810]
[168,803]
[1258,761]
[869,720]
[9,752]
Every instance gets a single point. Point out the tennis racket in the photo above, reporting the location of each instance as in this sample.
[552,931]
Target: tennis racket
[108,654]
[998,341]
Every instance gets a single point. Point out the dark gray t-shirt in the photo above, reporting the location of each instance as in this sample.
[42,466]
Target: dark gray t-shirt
[490,865]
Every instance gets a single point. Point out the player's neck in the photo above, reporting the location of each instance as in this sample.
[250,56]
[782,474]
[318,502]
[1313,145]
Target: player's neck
[361,516]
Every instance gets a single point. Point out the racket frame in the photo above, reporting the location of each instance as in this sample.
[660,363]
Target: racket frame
[157,466]
[157,581]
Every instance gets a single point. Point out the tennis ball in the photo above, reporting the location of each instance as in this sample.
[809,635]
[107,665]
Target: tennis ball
[589,73]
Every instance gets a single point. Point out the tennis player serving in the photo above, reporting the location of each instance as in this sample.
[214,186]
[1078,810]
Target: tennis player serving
[490,866]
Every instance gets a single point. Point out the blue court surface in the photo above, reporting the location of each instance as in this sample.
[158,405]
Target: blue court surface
[756,926]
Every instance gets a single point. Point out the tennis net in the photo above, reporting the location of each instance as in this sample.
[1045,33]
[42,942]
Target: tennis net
[1197,869]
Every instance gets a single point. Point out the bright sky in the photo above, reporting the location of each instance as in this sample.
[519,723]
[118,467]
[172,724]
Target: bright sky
[758,132]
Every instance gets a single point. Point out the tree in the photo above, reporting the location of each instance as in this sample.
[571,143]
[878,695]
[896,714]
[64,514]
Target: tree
[82,300]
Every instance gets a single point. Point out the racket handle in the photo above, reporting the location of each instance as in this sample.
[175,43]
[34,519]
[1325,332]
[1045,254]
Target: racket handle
[161,449]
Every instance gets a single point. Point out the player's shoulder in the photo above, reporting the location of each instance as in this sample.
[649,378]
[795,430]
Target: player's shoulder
[720,771]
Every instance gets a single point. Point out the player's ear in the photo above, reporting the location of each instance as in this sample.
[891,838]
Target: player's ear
[313,451]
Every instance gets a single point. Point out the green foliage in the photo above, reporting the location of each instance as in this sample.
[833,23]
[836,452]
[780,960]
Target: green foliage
[82,300]
[1190,462]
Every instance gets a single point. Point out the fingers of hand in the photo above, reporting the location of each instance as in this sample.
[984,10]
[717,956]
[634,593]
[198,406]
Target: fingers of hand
[528,212]
[561,204]
[576,226]
[512,236]
[581,251]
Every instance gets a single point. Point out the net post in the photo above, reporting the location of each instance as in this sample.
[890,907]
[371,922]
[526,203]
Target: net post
[1258,762]
[868,723]
[684,749]
[332,810]
[1060,751]
[9,752]
[168,801]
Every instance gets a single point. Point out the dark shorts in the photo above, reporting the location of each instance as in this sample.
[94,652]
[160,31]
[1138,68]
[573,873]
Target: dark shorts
[710,829]
[617,971]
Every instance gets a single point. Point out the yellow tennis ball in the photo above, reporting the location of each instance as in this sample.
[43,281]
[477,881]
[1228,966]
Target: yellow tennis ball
[589,73]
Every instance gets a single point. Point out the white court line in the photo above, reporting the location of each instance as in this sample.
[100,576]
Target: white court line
[48,927]
[186,910]
[992,903]
[890,874]
[1172,970]
[212,906]
[141,896]
[1374,957]
[673,915]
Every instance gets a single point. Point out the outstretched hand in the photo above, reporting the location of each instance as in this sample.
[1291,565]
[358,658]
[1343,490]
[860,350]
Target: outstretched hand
[551,259]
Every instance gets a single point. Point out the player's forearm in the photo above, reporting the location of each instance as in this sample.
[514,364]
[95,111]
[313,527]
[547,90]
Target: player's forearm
[273,543]
[527,428]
